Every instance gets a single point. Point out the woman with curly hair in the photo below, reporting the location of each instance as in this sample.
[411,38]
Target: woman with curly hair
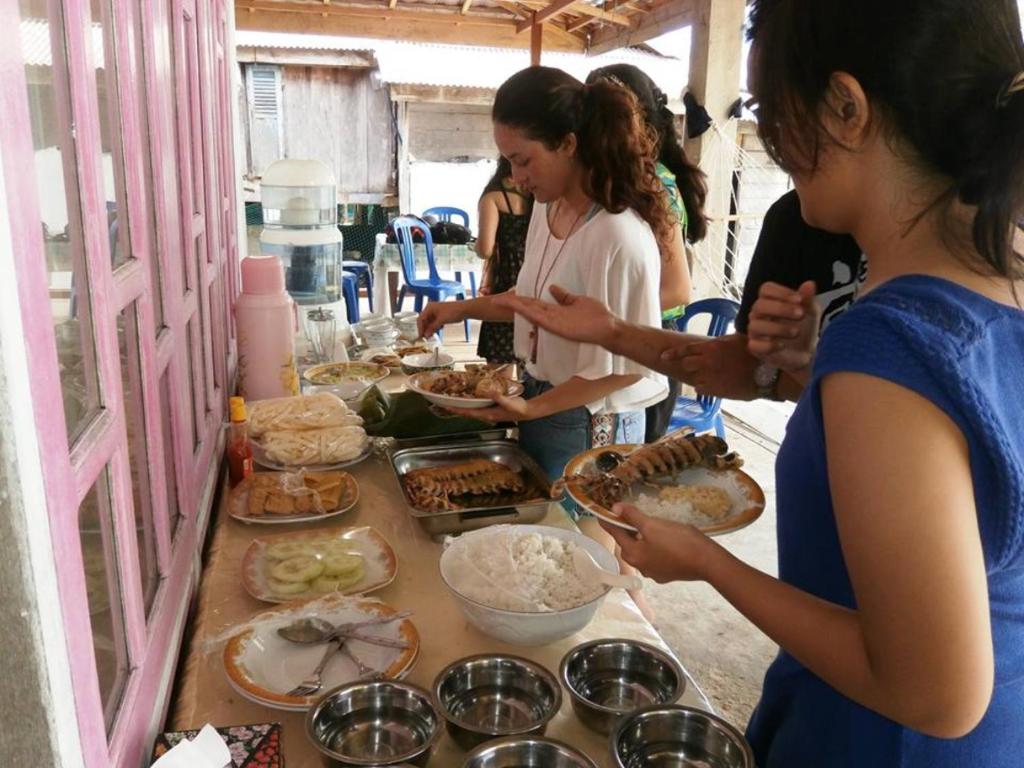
[686,189]
[600,215]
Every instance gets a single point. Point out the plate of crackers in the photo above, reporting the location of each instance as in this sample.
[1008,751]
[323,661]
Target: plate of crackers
[276,498]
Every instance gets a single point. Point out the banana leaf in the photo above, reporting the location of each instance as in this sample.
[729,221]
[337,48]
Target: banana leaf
[407,415]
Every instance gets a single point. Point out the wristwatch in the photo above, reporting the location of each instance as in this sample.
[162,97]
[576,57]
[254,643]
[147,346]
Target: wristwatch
[766,381]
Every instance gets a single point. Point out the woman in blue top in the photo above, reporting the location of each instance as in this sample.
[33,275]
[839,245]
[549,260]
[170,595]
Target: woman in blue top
[899,606]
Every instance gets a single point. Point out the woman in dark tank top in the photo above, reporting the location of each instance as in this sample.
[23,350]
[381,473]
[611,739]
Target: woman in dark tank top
[501,241]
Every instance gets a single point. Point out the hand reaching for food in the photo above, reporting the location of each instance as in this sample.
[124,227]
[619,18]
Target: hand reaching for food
[437,314]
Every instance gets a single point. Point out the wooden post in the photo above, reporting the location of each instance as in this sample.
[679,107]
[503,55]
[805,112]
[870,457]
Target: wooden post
[536,38]
[716,49]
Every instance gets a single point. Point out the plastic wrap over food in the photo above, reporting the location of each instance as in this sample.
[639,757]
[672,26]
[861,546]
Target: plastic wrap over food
[303,412]
[282,494]
[329,445]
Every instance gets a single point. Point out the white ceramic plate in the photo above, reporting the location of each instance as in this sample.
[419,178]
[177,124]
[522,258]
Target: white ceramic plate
[261,458]
[262,666]
[747,496]
[420,383]
[379,561]
[240,498]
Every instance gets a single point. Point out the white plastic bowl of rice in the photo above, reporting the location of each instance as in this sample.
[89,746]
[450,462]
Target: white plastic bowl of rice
[516,583]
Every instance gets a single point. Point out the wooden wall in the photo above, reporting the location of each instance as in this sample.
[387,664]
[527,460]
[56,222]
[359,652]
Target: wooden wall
[445,131]
[337,116]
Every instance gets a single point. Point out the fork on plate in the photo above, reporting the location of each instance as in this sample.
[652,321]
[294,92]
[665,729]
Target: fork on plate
[315,681]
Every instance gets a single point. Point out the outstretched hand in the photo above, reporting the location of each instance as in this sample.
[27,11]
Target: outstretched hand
[661,550]
[783,326]
[573,317]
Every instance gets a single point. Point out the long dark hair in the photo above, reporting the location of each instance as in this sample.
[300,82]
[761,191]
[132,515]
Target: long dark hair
[502,173]
[938,71]
[613,144]
[689,178]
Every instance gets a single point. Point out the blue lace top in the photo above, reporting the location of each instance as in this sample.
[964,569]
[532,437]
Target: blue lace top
[964,353]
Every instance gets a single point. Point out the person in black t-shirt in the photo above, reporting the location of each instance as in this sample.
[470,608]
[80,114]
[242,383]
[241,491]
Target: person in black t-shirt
[789,252]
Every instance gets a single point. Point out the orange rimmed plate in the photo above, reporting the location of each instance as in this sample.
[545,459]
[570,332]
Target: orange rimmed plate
[746,495]
[262,666]
[379,560]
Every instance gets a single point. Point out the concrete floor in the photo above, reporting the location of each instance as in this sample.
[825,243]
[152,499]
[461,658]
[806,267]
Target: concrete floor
[724,652]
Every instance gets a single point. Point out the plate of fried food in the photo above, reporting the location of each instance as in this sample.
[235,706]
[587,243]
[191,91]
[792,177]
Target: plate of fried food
[382,356]
[475,387]
[348,561]
[273,498]
[316,432]
[690,479]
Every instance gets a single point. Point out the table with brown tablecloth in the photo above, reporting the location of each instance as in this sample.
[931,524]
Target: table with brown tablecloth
[204,694]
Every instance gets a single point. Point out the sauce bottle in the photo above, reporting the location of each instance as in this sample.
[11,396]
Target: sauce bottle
[240,463]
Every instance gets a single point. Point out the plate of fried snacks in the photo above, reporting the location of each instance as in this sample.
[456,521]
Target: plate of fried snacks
[317,432]
[292,497]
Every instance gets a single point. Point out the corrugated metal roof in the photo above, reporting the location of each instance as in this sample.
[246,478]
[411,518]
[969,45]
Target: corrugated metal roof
[467,66]
[245,38]
[35,43]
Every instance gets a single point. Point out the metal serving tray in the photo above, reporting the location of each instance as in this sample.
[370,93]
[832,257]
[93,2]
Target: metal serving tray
[475,438]
[459,520]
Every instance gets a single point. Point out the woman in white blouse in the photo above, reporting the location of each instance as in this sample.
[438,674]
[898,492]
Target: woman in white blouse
[600,213]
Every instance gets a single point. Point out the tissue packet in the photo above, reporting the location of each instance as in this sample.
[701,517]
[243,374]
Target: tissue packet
[251,746]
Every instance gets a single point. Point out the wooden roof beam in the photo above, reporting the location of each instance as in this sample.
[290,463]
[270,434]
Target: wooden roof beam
[465,6]
[664,17]
[562,6]
[545,13]
[494,27]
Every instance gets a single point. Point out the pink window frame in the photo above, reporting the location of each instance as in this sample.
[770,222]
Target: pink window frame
[69,471]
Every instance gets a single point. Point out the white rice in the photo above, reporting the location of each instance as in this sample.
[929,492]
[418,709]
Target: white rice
[527,572]
[647,500]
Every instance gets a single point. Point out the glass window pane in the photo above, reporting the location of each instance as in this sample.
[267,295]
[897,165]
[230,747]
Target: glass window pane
[138,459]
[179,146]
[57,185]
[111,138]
[102,581]
[217,311]
[149,173]
[174,516]
[191,347]
[192,110]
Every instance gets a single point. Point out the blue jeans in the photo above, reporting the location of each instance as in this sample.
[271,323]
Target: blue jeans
[554,440]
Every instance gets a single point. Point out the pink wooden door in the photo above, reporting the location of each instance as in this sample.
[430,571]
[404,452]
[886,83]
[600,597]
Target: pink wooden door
[117,159]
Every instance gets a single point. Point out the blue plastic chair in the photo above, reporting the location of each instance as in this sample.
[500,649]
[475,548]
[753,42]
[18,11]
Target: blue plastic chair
[447,213]
[433,288]
[361,270]
[350,290]
[704,413]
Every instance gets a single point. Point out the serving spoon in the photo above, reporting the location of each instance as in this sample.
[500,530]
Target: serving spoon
[313,629]
[588,570]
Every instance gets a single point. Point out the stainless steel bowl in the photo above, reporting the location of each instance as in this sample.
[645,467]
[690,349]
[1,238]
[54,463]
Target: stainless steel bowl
[527,752]
[608,679]
[678,737]
[374,724]
[485,697]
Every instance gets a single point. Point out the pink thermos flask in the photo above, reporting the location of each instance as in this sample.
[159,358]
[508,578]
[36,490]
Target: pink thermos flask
[267,323]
